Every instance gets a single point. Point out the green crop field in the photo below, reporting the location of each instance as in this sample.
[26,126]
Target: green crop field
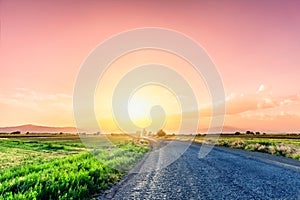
[62,167]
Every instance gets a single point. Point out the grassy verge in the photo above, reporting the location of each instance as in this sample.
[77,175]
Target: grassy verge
[62,169]
[266,146]
[280,145]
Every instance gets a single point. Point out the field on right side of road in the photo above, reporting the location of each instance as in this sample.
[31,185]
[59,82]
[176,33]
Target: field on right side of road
[287,145]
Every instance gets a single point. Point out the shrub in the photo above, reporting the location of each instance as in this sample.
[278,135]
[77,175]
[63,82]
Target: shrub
[271,149]
[249,133]
[238,144]
[224,143]
[262,148]
[285,150]
[161,133]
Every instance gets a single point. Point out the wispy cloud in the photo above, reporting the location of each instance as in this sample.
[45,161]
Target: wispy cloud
[30,99]
[262,99]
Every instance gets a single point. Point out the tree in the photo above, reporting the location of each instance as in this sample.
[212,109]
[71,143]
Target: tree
[237,133]
[249,133]
[257,133]
[161,133]
[16,132]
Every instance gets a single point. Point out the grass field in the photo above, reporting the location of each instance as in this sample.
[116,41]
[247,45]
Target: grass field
[276,144]
[62,167]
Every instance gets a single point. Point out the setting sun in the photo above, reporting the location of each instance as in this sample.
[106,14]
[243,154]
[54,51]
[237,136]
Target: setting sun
[147,97]
[138,111]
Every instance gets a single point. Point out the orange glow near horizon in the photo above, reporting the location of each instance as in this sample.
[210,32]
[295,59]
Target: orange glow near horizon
[147,96]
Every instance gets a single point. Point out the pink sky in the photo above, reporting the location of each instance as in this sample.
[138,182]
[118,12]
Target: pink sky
[255,45]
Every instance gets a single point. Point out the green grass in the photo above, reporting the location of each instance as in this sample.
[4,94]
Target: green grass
[16,151]
[62,169]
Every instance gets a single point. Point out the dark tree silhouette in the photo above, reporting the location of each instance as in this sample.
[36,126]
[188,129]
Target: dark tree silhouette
[249,133]
[16,132]
[161,133]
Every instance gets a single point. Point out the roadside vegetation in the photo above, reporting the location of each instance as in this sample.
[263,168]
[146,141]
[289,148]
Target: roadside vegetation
[62,168]
[287,145]
[278,148]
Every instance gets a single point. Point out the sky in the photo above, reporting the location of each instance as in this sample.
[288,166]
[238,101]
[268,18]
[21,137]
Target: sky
[254,44]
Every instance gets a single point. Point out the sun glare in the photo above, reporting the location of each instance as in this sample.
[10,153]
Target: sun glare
[145,98]
[138,111]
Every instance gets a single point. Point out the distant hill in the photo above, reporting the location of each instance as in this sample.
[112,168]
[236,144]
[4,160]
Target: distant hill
[37,129]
